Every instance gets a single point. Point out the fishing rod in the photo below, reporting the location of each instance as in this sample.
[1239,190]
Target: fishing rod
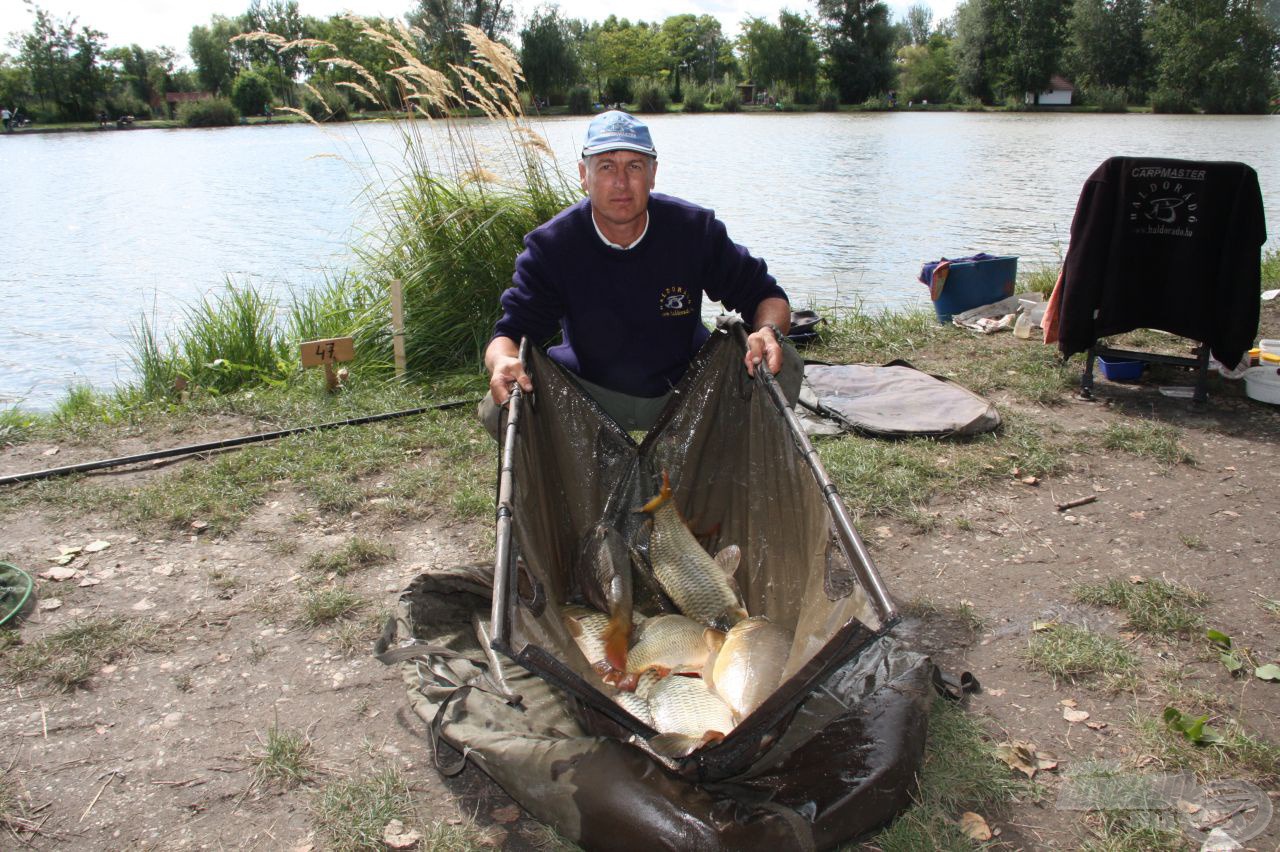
[226,443]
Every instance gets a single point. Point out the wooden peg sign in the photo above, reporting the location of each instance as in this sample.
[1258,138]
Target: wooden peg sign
[328,352]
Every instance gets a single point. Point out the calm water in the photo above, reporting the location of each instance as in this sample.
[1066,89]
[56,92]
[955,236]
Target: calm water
[102,228]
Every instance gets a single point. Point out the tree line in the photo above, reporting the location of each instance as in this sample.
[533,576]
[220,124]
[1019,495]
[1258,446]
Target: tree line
[1220,56]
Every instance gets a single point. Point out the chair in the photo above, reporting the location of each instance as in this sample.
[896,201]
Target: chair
[1173,245]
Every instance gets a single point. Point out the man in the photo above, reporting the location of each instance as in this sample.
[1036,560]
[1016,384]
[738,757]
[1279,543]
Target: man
[621,274]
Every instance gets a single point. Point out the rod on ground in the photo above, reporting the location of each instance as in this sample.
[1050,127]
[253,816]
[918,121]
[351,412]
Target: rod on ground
[226,443]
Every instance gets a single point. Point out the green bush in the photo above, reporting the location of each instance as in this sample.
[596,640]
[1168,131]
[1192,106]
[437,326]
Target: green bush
[652,99]
[1166,100]
[326,102]
[1108,98]
[213,112]
[579,101]
[695,99]
[731,104]
[806,95]
[618,90]
[127,104]
[251,93]
[828,101]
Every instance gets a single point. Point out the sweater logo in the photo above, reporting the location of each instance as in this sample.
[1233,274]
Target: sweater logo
[674,301]
[1166,208]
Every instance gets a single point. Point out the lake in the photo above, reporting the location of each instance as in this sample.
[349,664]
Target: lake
[104,228]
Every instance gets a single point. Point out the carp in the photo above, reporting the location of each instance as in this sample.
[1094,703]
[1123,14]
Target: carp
[604,573]
[687,715]
[588,627]
[701,587]
[666,644]
[747,662]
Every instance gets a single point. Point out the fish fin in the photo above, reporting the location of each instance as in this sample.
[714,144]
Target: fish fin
[572,625]
[627,681]
[617,638]
[731,616]
[663,496]
[714,639]
[729,559]
[674,745]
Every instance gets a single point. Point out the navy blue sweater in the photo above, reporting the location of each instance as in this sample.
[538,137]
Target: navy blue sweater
[631,319]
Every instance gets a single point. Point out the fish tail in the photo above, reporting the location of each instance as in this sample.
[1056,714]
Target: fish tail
[617,638]
[663,496]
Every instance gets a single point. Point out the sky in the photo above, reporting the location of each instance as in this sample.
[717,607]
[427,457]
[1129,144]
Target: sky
[153,23]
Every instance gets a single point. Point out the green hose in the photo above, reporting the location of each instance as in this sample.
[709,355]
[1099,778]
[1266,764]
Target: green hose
[15,590]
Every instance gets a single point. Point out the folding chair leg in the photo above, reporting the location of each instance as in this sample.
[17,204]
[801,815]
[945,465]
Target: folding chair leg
[1086,378]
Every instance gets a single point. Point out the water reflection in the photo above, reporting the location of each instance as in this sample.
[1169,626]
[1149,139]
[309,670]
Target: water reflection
[102,228]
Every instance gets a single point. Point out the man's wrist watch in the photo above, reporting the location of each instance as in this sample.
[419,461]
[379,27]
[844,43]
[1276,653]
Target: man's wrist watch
[777,332]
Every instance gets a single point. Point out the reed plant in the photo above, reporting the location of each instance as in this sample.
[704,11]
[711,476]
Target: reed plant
[450,221]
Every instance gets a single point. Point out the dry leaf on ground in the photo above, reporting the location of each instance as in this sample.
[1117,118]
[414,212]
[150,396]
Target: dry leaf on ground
[974,826]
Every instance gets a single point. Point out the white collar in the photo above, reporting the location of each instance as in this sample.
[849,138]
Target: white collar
[611,244]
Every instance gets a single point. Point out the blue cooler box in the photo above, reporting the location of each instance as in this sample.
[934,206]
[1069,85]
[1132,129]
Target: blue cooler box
[973,283]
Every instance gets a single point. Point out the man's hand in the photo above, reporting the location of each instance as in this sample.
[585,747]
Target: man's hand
[762,344]
[505,369]
[763,347]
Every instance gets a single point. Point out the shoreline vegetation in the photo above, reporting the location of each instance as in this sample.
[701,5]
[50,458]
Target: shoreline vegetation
[562,111]
[233,368]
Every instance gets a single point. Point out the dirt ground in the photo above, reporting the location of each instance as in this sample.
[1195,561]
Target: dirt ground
[155,751]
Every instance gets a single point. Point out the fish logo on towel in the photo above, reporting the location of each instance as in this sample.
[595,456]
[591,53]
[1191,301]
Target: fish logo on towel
[675,301]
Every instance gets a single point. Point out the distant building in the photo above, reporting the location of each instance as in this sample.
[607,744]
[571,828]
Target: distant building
[1058,94]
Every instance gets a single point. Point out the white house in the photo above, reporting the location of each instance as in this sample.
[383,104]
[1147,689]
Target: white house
[1058,94]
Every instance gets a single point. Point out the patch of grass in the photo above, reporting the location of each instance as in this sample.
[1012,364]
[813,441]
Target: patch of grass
[960,773]
[1240,754]
[358,553]
[1271,270]
[1131,831]
[284,757]
[1073,653]
[320,606]
[898,478]
[961,612]
[1159,442]
[1269,605]
[1154,606]
[351,814]
[68,658]
[357,637]
[184,682]
[17,426]
[854,336]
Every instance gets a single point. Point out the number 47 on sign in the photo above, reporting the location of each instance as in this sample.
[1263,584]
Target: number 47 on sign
[328,352]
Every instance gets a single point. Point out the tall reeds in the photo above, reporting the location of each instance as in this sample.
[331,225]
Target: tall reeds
[449,223]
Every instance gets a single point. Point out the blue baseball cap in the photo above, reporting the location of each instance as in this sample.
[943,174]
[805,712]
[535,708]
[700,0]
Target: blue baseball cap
[617,131]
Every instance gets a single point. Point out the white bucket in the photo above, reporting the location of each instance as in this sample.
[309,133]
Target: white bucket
[1263,384]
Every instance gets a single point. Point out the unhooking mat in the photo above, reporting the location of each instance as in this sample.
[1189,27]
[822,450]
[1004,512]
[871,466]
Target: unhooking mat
[830,755]
[893,401]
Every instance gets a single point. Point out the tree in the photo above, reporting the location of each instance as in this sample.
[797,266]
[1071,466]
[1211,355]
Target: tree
[216,58]
[145,74]
[926,72]
[858,38]
[1035,44]
[1214,55]
[440,22]
[279,17]
[696,44]
[251,93]
[62,62]
[786,53]
[977,51]
[1107,45]
[547,53]
[351,43]
[919,22]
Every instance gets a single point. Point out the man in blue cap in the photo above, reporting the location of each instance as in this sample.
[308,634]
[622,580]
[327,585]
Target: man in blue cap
[621,274]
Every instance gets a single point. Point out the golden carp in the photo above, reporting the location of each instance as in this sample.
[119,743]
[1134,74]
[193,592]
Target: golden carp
[665,644]
[687,715]
[604,573]
[589,627]
[747,665]
[701,587]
